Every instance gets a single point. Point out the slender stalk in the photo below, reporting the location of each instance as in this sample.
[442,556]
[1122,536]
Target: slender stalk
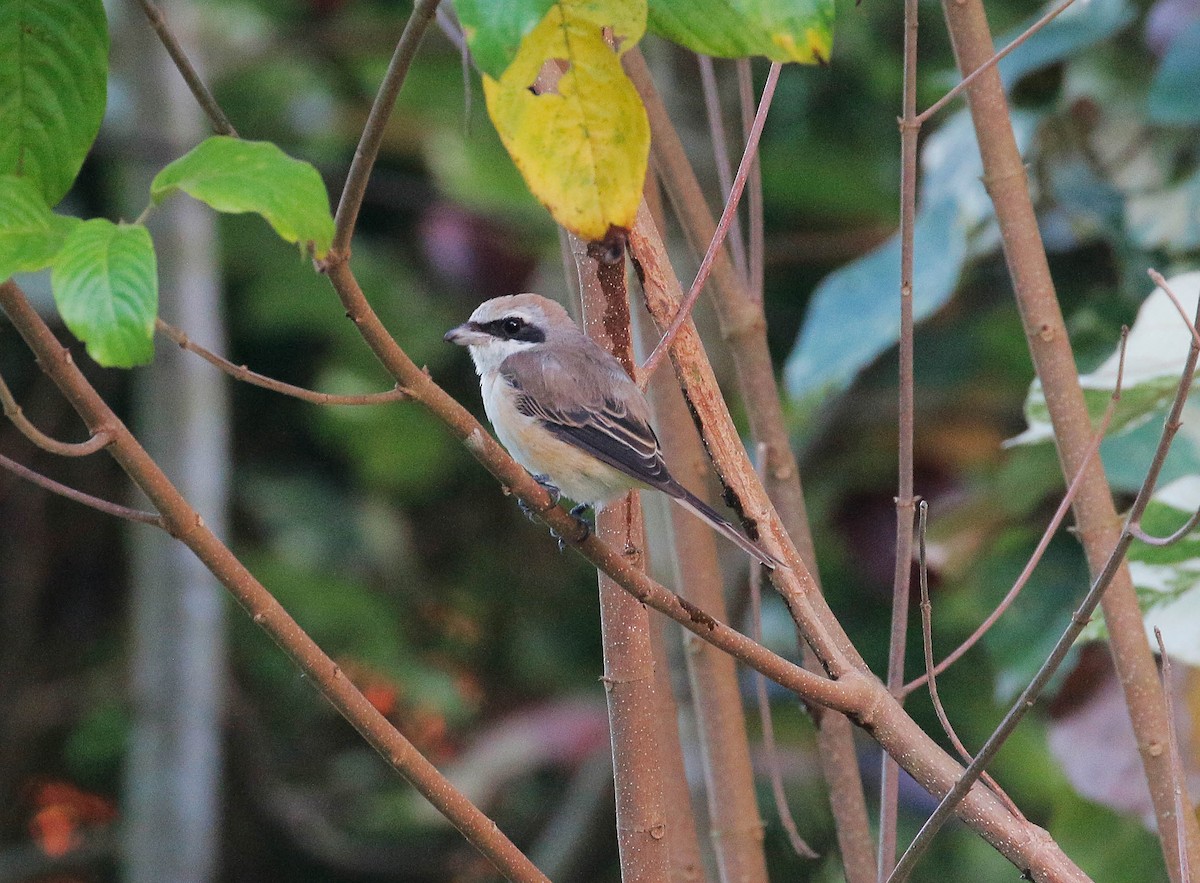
[185,524]
[372,135]
[718,239]
[1104,581]
[55,487]
[757,245]
[720,145]
[643,834]
[241,372]
[889,782]
[1007,183]
[736,828]
[51,445]
[200,92]
[1177,772]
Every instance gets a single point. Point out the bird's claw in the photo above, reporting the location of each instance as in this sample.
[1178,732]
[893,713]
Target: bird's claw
[550,488]
[586,529]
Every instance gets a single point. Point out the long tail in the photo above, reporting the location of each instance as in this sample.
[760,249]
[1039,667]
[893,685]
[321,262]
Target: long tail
[702,510]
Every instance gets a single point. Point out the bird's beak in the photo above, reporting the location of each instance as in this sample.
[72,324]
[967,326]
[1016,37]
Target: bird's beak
[466,334]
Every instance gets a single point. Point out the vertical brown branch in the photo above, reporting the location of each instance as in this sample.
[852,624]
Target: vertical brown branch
[736,827]
[629,683]
[901,581]
[743,326]
[1046,333]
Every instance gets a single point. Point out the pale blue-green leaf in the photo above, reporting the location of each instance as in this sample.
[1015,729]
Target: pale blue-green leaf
[1083,24]
[854,314]
[494,30]
[234,176]
[1168,219]
[53,88]
[105,282]
[1155,352]
[1174,97]
[30,234]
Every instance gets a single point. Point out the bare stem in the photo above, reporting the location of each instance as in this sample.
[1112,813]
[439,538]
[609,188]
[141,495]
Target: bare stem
[241,372]
[927,646]
[1079,621]
[714,247]
[720,145]
[889,784]
[754,276]
[1158,279]
[203,96]
[966,81]
[372,135]
[1177,773]
[1048,534]
[70,493]
[786,819]
[51,445]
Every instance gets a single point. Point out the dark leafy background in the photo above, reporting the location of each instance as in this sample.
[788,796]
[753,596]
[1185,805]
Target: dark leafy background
[461,619]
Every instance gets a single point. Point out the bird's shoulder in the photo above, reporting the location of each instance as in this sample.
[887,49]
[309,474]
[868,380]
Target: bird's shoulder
[564,381]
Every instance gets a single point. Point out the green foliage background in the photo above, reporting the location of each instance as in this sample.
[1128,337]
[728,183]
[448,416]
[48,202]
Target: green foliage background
[403,559]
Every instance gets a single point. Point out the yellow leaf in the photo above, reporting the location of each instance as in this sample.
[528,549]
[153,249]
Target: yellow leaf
[582,144]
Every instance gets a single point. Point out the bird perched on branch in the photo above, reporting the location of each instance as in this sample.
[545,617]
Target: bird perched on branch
[567,411]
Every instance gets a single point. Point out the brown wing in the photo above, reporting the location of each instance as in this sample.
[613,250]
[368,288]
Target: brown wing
[584,397]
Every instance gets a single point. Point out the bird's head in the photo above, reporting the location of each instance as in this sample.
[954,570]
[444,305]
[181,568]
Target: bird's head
[506,325]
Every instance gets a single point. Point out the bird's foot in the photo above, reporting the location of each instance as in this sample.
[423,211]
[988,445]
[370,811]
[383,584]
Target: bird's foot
[551,489]
[585,528]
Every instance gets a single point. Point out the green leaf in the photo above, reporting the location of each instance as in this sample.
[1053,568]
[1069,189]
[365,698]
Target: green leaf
[1154,355]
[1080,26]
[53,88]
[495,30]
[782,30]
[235,176]
[30,234]
[105,282]
[1173,96]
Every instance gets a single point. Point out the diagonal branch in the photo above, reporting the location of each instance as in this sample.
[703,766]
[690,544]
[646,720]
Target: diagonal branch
[241,372]
[114,509]
[200,92]
[183,522]
[51,445]
[714,247]
[372,136]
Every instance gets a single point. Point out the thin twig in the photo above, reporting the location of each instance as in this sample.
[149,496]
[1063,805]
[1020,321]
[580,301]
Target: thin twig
[966,81]
[757,248]
[720,146]
[889,780]
[79,496]
[372,135]
[1048,534]
[203,96]
[241,372]
[714,247]
[1139,534]
[1176,764]
[1162,283]
[1079,620]
[786,819]
[52,445]
[927,646]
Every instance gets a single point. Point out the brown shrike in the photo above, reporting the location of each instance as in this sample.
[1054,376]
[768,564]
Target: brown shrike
[567,411]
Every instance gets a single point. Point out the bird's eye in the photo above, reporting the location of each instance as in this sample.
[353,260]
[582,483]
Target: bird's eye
[512,327]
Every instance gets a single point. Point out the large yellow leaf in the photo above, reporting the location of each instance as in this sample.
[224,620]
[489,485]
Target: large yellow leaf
[582,145]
